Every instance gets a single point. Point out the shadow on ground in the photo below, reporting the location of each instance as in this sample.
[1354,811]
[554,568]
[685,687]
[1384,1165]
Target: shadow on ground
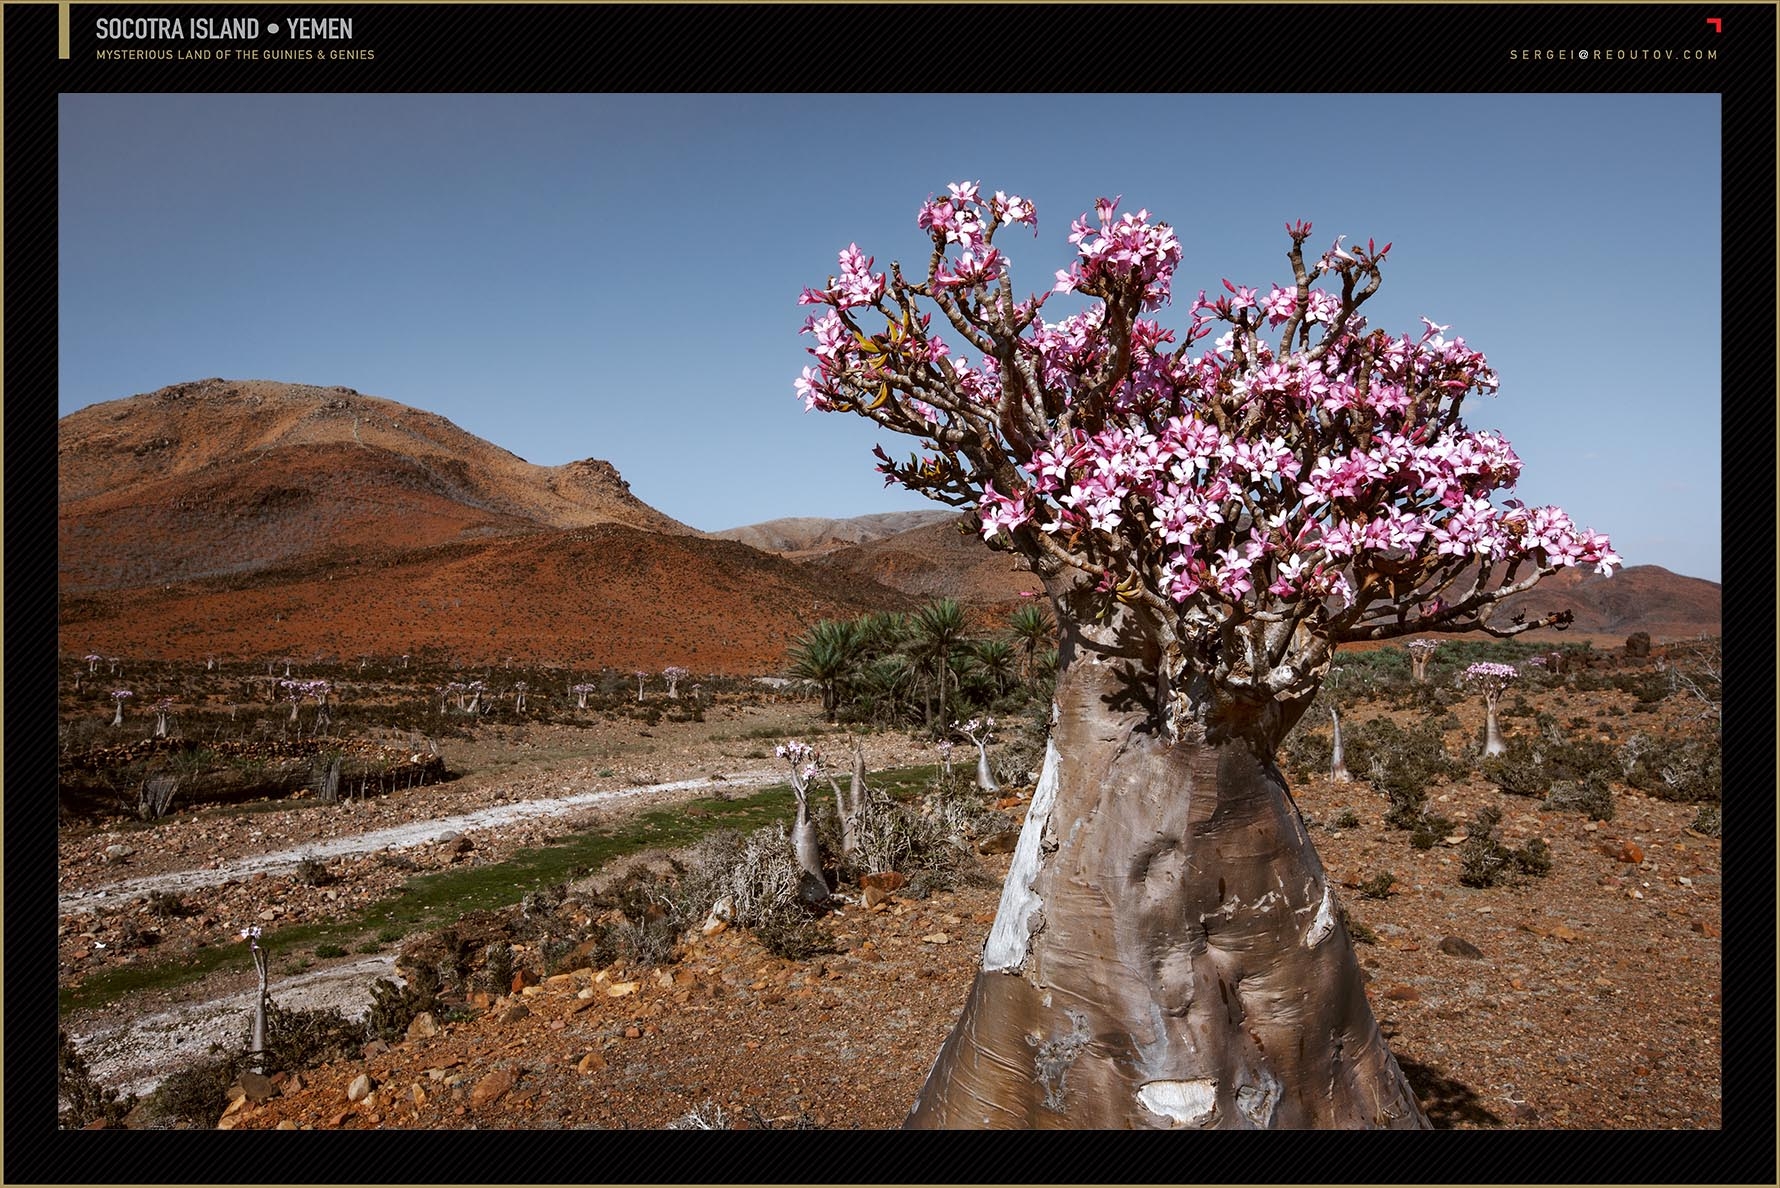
[1446,1102]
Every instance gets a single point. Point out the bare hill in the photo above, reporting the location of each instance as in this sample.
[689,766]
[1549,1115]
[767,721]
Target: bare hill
[805,535]
[607,595]
[224,477]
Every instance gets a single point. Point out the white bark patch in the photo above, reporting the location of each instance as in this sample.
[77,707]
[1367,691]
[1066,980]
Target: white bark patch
[1011,935]
[1186,1103]
[1324,924]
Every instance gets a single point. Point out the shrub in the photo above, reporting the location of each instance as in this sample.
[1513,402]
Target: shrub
[197,1093]
[1429,831]
[755,872]
[88,1101]
[1484,861]
[1688,770]
[1345,819]
[329,950]
[393,1007]
[794,938]
[1589,795]
[1709,821]
[165,904]
[301,1038]
[1378,886]
[497,967]
[1521,772]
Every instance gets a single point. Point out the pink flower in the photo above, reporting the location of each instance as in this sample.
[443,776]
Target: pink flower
[1002,512]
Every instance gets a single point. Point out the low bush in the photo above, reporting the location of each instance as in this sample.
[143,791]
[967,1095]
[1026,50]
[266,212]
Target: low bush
[1485,862]
[87,1100]
[794,938]
[1589,795]
[393,1007]
[197,1094]
[1709,821]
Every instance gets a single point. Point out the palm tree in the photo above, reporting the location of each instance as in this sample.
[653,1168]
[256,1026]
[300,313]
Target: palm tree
[828,654]
[1032,629]
[994,660]
[938,630]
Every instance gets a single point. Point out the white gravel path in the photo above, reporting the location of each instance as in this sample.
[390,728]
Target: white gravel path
[398,837]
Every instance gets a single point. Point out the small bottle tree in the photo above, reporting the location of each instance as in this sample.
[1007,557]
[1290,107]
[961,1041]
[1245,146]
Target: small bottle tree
[257,1042]
[120,696]
[1338,756]
[673,675]
[806,765]
[1492,679]
[1208,528]
[162,708]
[642,676]
[518,697]
[581,691]
[981,734]
[1420,652]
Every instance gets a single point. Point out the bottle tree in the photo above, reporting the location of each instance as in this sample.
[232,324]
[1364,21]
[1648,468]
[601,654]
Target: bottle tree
[1208,528]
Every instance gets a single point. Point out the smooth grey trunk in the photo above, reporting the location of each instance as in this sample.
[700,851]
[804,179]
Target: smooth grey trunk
[1418,668]
[1492,735]
[805,846]
[985,777]
[257,1045]
[1168,952]
[117,719]
[160,724]
[1337,761]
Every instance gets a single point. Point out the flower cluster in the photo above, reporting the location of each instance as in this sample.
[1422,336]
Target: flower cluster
[297,690]
[120,694]
[1246,476]
[1491,678]
[802,757]
[674,672]
[251,934]
[1423,647]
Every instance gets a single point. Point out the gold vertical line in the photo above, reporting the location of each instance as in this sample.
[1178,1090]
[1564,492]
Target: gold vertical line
[62,29]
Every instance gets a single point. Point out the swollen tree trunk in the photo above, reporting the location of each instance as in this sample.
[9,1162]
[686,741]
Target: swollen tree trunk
[807,849]
[1492,735]
[985,777]
[1168,951]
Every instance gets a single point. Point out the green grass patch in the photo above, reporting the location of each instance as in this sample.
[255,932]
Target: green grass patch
[439,898]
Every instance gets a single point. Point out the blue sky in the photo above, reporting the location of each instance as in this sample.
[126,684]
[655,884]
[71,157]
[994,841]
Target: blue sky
[616,277]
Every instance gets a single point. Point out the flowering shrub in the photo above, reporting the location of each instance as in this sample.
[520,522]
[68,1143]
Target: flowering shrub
[1323,477]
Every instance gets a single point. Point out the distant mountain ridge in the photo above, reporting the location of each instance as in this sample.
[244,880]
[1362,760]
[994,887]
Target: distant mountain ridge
[821,534]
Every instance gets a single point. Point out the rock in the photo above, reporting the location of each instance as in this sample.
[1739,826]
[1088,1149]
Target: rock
[515,1013]
[633,1032]
[287,1124]
[523,977]
[1631,852]
[592,1062]
[362,1087]
[1456,946]
[268,914]
[491,1088]
[620,989]
[884,880]
[462,845]
[1705,928]
[423,1026]
[118,853]
[294,1085]
[999,843]
[1403,994]
[936,938]
[375,1048]
[256,1088]
[712,926]
[418,1094]
[874,896]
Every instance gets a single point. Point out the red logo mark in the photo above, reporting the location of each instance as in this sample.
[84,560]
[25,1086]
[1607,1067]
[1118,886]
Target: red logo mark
[1717,24]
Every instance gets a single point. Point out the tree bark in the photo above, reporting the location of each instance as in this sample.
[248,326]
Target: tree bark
[1492,734]
[1168,952]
